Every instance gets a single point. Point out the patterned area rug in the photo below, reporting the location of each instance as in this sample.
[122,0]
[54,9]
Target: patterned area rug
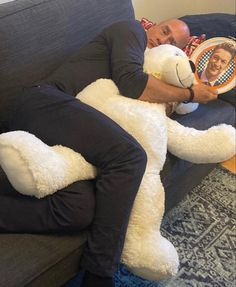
[202,227]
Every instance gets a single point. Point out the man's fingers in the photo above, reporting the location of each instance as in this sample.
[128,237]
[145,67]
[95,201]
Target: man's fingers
[204,94]
[214,93]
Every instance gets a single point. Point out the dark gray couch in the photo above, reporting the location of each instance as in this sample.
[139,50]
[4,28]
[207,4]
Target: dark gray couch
[36,36]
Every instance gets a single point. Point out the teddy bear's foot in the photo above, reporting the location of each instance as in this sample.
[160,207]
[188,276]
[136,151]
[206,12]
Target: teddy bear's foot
[153,259]
[34,168]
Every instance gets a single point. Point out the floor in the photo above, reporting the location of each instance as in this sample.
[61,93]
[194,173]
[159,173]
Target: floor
[230,164]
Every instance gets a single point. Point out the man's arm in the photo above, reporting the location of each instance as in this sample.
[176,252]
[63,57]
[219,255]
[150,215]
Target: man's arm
[127,43]
[157,91]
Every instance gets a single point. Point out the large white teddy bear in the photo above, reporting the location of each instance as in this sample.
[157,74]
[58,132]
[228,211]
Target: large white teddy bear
[34,168]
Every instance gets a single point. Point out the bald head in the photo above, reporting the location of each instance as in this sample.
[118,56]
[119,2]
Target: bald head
[173,31]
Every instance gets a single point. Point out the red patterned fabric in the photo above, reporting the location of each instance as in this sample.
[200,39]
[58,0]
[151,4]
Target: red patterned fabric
[193,43]
[146,23]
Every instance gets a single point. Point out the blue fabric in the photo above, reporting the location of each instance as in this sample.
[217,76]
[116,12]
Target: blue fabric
[212,24]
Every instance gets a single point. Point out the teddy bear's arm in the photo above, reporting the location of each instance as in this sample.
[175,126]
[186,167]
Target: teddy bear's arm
[209,146]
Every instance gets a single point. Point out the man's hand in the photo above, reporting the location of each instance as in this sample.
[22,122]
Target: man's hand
[204,94]
[157,91]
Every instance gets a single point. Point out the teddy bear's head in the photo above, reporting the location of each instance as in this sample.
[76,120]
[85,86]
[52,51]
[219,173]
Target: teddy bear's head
[169,64]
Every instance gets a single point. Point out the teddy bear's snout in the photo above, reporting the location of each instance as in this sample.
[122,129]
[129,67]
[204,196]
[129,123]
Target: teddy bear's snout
[192,65]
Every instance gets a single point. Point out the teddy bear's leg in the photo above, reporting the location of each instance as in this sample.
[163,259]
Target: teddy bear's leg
[34,168]
[146,252]
[214,145]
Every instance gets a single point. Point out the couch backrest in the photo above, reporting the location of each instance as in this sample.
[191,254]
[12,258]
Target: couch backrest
[36,36]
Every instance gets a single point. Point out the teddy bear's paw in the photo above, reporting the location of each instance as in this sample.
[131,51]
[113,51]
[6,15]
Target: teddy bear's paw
[36,169]
[183,109]
[217,144]
[154,259]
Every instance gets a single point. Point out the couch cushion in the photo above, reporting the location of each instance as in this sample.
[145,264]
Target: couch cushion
[32,260]
[212,24]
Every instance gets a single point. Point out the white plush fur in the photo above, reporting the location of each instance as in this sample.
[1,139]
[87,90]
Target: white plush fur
[206,146]
[35,169]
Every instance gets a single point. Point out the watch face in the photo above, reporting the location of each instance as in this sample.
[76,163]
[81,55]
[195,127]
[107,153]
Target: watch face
[215,63]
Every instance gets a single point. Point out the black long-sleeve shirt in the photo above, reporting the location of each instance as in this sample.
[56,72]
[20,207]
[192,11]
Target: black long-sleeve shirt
[117,53]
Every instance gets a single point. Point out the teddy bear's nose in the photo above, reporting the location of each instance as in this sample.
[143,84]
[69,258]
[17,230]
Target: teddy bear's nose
[192,66]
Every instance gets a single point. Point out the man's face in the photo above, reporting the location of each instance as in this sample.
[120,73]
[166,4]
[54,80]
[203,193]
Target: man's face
[174,32]
[218,62]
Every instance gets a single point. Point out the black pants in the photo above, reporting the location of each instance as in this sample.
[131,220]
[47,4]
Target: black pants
[103,205]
